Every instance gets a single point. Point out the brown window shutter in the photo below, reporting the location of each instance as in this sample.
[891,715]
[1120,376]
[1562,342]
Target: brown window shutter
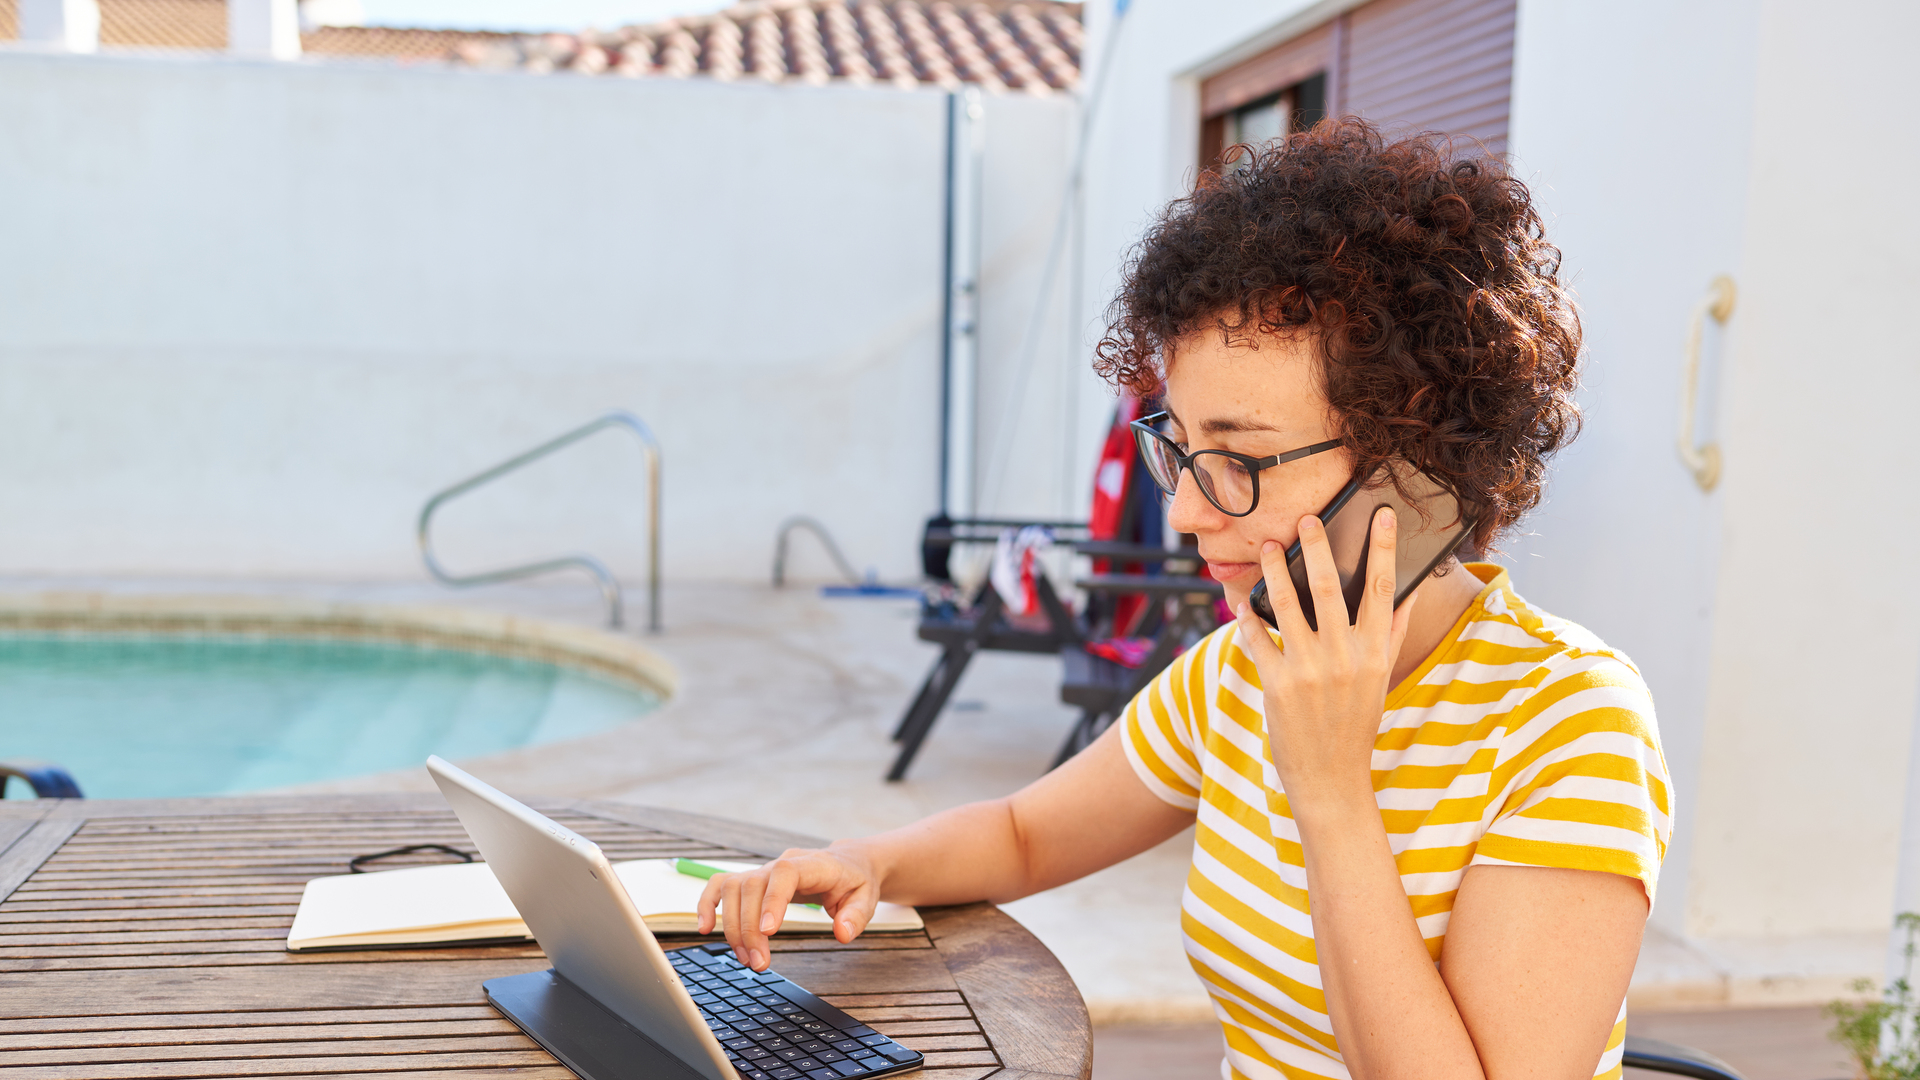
[1432,65]
[1213,140]
[1267,74]
[1407,65]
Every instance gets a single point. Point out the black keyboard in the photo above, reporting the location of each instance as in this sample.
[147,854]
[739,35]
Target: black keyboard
[773,1030]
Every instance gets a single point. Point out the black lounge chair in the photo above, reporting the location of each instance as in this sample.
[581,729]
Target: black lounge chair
[1099,687]
[1654,1055]
[48,781]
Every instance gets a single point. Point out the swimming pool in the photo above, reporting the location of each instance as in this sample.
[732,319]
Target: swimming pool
[136,715]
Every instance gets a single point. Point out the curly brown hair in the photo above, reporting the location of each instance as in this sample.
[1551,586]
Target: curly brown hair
[1423,273]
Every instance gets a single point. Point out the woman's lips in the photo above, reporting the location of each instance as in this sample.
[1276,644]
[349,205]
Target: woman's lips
[1227,571]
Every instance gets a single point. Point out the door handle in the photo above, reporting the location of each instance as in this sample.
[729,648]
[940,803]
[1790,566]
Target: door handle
[1702,460]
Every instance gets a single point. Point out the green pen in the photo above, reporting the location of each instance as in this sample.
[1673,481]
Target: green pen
[703,871]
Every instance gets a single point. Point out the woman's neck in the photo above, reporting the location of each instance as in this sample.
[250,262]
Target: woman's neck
[1442,601]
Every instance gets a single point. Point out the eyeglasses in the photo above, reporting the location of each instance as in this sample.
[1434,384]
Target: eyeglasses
[1230,481]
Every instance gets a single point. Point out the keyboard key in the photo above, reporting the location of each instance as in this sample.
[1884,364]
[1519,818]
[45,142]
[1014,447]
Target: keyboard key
[811,1045]
[787,1072]
[829,1056]
[849,1068]
[897,1053]
[846,1046]
[739,1044]
[754,1033]
[756,1053]
[806,1065]
[823,1073]
[862,1053]
[873,1039]
[817,1026]
[776,1044]
[783,1027]
[705,999]
[790,1053]
[861,1032]
[756,1074]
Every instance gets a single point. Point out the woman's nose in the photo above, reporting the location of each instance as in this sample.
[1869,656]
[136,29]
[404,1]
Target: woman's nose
[1190,512]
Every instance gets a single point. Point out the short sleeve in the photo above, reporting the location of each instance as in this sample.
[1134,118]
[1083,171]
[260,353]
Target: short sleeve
[1582,784]
[1159,727]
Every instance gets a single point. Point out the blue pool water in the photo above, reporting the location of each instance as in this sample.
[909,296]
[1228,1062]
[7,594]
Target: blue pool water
[148,716]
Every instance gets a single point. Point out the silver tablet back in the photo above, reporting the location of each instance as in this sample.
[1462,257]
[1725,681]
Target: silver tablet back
[580,914]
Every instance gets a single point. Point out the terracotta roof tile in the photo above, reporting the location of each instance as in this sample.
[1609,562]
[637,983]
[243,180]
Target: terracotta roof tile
[1032,46]
[176,24]
[392,43]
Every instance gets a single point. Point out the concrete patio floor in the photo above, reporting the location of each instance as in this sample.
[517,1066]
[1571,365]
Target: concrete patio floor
[785,705]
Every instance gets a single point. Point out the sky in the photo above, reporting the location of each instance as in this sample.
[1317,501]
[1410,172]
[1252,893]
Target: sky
[528,14]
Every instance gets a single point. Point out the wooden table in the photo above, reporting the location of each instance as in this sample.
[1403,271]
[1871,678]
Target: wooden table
[145,938]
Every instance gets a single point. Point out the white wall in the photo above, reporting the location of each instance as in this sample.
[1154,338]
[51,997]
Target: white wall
[1632,123]
[1785,677]
[1669,142]
[252,314]
[1816,648]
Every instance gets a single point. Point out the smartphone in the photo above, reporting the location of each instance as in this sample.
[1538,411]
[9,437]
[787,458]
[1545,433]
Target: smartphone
[1433,525]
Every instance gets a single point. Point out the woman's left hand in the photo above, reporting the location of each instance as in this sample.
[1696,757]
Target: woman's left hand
[1325,692]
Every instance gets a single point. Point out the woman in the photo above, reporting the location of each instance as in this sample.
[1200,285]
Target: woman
[1427,842]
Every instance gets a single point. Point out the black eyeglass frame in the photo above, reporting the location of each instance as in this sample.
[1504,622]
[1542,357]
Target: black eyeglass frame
[1144,428]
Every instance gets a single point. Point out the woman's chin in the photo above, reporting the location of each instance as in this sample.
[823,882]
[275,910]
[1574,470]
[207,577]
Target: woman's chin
[1236,595]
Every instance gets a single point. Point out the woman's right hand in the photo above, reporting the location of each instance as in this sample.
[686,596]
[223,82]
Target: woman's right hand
[752,903]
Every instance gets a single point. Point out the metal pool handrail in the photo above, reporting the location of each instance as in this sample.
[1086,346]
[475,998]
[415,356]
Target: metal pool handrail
[609,585]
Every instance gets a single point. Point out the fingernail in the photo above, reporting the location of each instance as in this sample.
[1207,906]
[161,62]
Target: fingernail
[1269,547]
[759,960]
[1386,517]
[769,923]
[1309,522]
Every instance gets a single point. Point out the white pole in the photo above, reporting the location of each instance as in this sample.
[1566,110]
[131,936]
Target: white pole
[62,25]
[967,130]
[1906,888]
[264,28]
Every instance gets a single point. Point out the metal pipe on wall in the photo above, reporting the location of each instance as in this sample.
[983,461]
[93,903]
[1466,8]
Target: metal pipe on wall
[960,349]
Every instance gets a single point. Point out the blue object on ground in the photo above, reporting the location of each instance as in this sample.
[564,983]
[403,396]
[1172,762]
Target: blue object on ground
[868,588]
[48,781]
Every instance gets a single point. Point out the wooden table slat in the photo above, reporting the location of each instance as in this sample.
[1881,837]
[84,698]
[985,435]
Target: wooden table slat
[854,1001]
[330,1065]
[136,1022]
[308,1047]
[262,1033]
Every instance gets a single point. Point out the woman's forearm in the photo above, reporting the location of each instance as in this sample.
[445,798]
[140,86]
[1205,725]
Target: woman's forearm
[1391,1012]
[1086,815]
[972,852]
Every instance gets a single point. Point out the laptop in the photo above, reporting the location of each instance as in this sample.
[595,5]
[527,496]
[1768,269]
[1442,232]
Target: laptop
[617,1006]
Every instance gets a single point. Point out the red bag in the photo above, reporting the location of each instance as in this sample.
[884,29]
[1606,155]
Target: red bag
[1113,476]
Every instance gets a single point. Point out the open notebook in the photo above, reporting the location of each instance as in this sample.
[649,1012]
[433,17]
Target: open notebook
[464,903]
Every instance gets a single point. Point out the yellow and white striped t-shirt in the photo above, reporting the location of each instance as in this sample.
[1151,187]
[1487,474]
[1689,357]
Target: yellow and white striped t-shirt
[1523,740]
